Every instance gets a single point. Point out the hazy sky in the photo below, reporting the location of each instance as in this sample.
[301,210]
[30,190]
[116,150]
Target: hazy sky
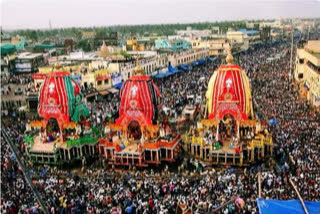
[82,13]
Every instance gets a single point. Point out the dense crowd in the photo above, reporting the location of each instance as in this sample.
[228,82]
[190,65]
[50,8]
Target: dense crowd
[296,136]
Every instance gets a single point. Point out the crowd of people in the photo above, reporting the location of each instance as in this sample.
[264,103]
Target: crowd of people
[97,190]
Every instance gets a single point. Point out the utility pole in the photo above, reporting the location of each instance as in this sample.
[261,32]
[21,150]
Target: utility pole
[299,196]
[259,184]
[290,71]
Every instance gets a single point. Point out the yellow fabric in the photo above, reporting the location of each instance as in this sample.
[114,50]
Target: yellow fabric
[245,80]
[209,94]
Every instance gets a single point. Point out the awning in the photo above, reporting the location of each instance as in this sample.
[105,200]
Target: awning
[8,49]
[209,59]
[201,61]
[284,207]
[195,63]
[118,86]
[172,70]
[161,75]
[183,67]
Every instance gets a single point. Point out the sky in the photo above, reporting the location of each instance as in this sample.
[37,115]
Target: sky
[36,14]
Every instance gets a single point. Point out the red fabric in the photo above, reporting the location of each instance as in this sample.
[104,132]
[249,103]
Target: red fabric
[137,100]
[118,148]
[151,203]
[229,95]
[53,100]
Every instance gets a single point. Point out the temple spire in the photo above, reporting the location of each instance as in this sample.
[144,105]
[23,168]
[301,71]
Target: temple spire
[229,57]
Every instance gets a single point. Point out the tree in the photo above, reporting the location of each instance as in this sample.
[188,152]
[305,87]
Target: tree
[32,35]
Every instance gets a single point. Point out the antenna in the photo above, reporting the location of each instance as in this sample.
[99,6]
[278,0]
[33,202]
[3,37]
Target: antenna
[50,26]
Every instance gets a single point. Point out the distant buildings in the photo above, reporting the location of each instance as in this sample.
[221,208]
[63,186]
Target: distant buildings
[191,33]
[27,62]
[307,71]
[174,45]
[88,34]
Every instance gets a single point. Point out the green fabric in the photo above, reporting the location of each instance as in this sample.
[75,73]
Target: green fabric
[45,46]
[8,49]
[82,141]
[29,141]
[70,94]
[217,145]
[80,110]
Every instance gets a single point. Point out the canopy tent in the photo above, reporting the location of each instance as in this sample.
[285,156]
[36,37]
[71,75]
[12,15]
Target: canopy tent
[195,63]
[183,67]
[162,75]
[171,71]
[44,46]
[8,49]
[201,61]
[285,207]
[209,59]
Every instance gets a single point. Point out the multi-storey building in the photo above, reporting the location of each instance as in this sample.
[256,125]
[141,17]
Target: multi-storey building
[307,71]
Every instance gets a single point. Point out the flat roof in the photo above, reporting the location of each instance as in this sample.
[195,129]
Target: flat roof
[28,55]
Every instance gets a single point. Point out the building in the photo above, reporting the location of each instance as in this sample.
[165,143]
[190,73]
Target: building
[307,71]
[132,45]
[190,33]
[252,36]
[174,45]
[88,34]
[28,62]
[238,40]
[187,57]
[139,45]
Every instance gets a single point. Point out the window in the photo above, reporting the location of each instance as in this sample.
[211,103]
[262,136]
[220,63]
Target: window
[106,81]
[300,76]
[301,61]
[99,82]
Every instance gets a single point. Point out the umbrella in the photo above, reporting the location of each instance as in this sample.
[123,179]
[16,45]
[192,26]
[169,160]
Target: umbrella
[273,122]
[129,209]
[240,202]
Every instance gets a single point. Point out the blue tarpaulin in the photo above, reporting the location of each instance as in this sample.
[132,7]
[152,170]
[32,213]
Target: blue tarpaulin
[201,61]
[209,59]
[118,86]
[195,63]
[183,67]
[171,71]
[285,207]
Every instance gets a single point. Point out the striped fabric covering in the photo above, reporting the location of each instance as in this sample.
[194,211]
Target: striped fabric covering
[138,101]
[57,97]
[229,92]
